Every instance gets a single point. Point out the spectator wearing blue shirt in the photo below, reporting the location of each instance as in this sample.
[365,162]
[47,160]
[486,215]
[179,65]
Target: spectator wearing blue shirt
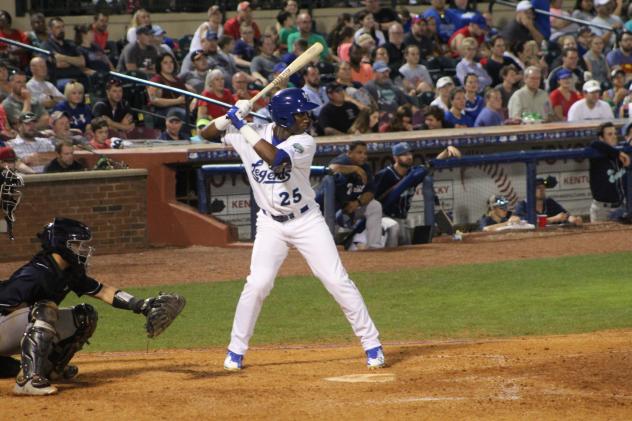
[245,46]
[474,103]
[456,116]
[491,114]
[74,106]
[447,20]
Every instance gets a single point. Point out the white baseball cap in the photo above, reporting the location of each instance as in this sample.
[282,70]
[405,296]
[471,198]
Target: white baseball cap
[524,5]
[602,2]
[591,86]
[445,80]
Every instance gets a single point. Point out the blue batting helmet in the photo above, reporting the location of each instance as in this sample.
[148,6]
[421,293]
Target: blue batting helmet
[287,102]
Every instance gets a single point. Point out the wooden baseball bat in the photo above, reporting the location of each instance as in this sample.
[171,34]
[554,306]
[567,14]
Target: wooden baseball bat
[299,62]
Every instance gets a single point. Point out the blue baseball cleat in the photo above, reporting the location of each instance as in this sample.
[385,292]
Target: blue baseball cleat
[375,358]
[234,362]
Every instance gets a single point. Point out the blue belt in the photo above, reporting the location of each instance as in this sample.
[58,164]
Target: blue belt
[288,217]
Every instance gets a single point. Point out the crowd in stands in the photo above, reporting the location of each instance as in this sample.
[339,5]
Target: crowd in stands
[381,70]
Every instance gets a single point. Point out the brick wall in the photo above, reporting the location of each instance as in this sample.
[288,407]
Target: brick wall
[112,203]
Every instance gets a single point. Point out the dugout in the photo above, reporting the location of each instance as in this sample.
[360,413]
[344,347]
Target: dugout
[172,184]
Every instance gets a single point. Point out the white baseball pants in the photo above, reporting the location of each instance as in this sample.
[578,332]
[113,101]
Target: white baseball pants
[311,237]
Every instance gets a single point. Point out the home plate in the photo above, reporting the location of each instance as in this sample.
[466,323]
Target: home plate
[363,378]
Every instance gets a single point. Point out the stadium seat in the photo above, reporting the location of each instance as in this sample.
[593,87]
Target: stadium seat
[141,132]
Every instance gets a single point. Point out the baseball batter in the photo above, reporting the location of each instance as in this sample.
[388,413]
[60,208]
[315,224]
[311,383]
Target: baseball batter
[277,157]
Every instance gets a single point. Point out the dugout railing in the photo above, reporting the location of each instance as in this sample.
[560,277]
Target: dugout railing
[530,159]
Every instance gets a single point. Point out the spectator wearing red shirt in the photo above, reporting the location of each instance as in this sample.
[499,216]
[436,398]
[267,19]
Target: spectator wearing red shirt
[100,28]
[476,28]
[16,54]
[215,90]
[100,138]
[564,95]
[244,15]
[163,100]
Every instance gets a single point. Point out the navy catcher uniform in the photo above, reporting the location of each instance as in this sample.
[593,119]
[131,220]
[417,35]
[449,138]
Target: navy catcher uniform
[32,323]
[278,157]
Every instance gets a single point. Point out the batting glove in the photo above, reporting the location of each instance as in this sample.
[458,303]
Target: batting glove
[244,107]
[235,117]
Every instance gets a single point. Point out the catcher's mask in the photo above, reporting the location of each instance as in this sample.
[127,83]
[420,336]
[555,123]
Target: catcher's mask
[9,194]
[70,238]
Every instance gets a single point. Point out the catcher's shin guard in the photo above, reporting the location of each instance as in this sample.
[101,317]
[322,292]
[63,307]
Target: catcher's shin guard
[37,344]
[85,318]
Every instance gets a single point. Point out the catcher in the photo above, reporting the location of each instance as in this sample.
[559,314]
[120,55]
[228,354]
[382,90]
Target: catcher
[47,336]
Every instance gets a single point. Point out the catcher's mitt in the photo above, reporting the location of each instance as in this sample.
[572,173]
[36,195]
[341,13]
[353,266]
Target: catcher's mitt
[161,311]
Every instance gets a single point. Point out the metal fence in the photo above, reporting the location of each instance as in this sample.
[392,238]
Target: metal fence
[89,7]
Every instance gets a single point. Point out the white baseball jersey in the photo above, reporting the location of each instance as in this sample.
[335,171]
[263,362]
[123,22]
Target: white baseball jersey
[286,192]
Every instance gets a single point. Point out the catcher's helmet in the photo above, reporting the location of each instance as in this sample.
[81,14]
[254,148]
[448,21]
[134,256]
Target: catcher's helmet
[9,194]
[68,238]
[287,102]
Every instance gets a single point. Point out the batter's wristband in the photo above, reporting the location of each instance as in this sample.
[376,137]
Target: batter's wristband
[250,134]
[222,123]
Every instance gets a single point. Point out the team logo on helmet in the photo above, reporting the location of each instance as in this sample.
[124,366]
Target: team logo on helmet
[264,175]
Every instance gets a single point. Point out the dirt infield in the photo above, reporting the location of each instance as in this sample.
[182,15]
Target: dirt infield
[559,377]
[583,376]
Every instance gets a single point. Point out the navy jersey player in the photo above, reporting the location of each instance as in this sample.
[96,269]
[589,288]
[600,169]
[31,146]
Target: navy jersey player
[607,176]
[354,196]
[544,205]
[278,157]
[396,185]
[32,323]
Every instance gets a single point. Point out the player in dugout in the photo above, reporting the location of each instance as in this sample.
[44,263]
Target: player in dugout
[396,186]
[555,213]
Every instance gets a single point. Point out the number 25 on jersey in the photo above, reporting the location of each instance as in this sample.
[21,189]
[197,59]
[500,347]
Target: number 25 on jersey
[286,200]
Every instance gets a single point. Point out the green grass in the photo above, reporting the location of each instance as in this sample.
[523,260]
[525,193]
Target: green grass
[544,296]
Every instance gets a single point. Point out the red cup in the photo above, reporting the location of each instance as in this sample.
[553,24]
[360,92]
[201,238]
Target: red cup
[541,221]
